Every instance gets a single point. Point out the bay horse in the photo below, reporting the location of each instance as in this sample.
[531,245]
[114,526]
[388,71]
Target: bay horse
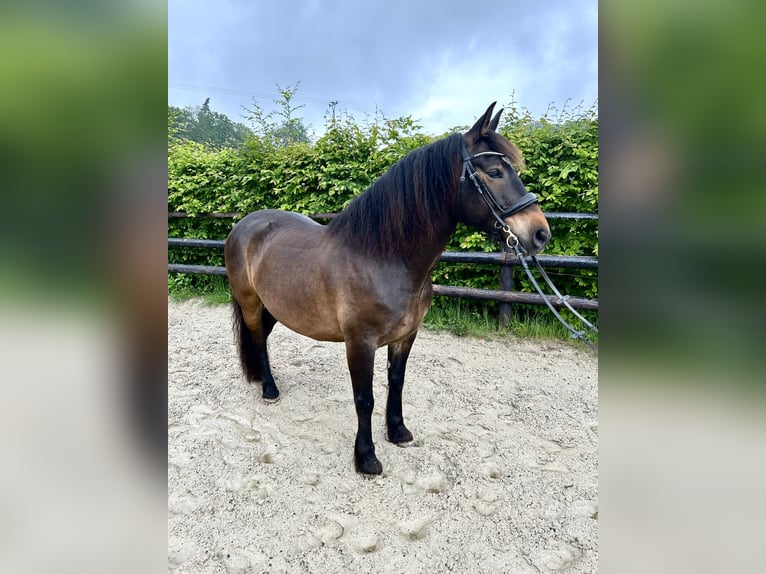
[364,279]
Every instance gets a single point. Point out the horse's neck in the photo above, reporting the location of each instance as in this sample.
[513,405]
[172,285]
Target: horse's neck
[425,258]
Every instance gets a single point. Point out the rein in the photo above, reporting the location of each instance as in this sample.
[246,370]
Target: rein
[562,300]
[512,241]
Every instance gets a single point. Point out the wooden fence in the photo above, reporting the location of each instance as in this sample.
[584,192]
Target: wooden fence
[506,296]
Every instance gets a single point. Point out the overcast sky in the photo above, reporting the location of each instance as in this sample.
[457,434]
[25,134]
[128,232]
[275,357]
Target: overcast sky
[442,62]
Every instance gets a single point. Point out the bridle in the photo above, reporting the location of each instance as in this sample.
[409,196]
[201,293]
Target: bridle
[495,208]
[500,213]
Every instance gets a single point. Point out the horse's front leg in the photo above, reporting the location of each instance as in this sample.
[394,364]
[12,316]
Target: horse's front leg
[397,363]
[361,359]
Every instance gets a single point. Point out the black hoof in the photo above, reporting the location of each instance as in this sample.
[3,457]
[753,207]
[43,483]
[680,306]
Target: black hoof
[368,465]
[399,435]
[270,394]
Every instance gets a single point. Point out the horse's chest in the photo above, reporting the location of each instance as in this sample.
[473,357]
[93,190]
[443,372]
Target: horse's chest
[405,313]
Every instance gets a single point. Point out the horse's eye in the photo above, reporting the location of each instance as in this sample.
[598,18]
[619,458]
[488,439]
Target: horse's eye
[495,173]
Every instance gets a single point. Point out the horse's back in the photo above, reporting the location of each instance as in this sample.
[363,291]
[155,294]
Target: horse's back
[256,226]
[256,231]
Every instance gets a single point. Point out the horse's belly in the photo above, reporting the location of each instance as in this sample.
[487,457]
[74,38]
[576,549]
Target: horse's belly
[292,289]
[305,318]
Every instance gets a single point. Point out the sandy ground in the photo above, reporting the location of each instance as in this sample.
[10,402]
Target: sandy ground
[502,476]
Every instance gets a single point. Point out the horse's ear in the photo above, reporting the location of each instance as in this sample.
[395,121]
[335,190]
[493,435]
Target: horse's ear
[496,120]
[480,128]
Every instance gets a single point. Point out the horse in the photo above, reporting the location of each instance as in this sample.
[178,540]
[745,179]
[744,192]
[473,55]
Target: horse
[364,278]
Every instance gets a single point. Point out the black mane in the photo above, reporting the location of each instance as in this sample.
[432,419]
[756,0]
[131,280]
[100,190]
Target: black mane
[398,212]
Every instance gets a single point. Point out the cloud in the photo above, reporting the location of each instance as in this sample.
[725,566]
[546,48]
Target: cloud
[460,86]
[437,61]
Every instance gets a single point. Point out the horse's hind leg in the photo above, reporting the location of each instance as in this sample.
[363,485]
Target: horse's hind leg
[398,354]
[253,326]
[270,390]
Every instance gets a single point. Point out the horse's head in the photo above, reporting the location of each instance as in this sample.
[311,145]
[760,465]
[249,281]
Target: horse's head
[492,197]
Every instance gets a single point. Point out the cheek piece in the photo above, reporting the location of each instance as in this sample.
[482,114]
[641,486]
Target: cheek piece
[497,210]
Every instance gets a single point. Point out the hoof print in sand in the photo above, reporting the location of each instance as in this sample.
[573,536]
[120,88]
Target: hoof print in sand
[434,483]
[367,544]
[485,502]
[416,529]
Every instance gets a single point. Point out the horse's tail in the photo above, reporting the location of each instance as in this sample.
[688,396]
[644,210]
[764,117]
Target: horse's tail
[251,365]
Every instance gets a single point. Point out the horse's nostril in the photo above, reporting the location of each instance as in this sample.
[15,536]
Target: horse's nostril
[541,237]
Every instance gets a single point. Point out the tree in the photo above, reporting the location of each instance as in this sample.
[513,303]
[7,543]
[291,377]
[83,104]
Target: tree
[203,125]
[279,128]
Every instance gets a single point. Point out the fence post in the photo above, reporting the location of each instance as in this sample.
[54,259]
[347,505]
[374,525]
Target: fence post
[506,284]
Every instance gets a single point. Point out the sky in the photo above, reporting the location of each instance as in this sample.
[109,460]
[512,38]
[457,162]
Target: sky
[442,62]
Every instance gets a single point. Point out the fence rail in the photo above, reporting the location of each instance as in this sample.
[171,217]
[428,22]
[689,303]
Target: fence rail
[506,260]
[503,258]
